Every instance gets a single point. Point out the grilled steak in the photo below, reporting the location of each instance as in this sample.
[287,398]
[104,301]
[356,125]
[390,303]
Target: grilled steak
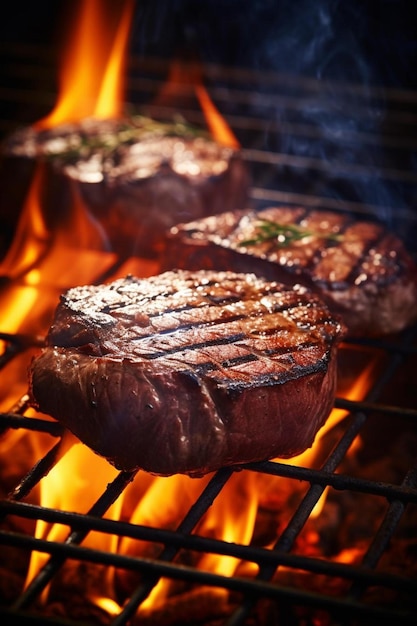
[185,372]
[363,272]
[137,177]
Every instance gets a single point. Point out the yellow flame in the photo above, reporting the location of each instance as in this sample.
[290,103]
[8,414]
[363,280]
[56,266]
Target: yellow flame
[231,519]
[88,475]
[110,97]
[31,234]
[91,81]
[107,604]
[215,121]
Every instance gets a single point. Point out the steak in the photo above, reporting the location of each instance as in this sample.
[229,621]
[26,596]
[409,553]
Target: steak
[186,372]
[137,177]
[363,272]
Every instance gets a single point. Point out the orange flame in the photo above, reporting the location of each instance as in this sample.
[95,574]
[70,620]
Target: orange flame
[38,252]
[220,130]
[92,76]
[185,80]
[40,264]
[72,468]
[31,235]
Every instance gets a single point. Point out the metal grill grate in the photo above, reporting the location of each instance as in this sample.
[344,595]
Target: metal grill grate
[294,159]
[349,606]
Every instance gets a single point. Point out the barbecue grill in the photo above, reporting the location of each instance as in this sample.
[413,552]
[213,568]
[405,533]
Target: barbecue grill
[302,149]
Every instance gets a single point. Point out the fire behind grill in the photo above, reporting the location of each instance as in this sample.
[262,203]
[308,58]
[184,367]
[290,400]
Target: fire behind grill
[294,159]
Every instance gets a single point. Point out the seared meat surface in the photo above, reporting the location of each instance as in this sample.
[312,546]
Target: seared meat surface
[186,372]
[137,177]
[362,271]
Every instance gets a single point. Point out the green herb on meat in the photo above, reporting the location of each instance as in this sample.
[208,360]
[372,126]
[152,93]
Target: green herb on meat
[286,234]
[82,142]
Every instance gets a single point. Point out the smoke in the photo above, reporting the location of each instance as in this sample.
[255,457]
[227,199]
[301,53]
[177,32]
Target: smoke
[358,40]
[345,71]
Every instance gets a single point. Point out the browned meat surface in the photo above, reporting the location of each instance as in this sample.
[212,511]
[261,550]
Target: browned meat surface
[362,271]
[186,372]
[137,177]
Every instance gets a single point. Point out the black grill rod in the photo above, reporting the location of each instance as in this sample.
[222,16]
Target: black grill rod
[236,584]
[194,515]
[301,515]
[42,467]
[193,542]
[16,343]
[384,534]
[45,464]
[99,508]
[38,471]
[39,425]
[372,407]
[18,408]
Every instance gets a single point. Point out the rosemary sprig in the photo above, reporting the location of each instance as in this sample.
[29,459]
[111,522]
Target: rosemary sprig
[135,129]
[177,128]
[285,234]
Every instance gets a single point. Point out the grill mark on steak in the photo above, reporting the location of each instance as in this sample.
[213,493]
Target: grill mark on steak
[220,321]
[220,341]
[356,269]
[361,270]
[133,298]
[221,311]
[215,320]
[251,357]
[316,257]
[216,330]
[166,297]
[281,362]
[289,371]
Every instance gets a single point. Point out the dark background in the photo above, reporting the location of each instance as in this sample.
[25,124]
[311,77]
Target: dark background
[362,41]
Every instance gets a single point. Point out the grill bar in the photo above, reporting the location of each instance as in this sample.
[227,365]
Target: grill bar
[49,570]
[288,537]
[38,471]
[360,574]
[198,543]
[256,588]
[252,587]
[187,525]
[386,531]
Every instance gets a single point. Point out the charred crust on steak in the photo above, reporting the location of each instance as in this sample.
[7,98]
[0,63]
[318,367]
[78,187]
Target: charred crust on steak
[230,368]
[363,272]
